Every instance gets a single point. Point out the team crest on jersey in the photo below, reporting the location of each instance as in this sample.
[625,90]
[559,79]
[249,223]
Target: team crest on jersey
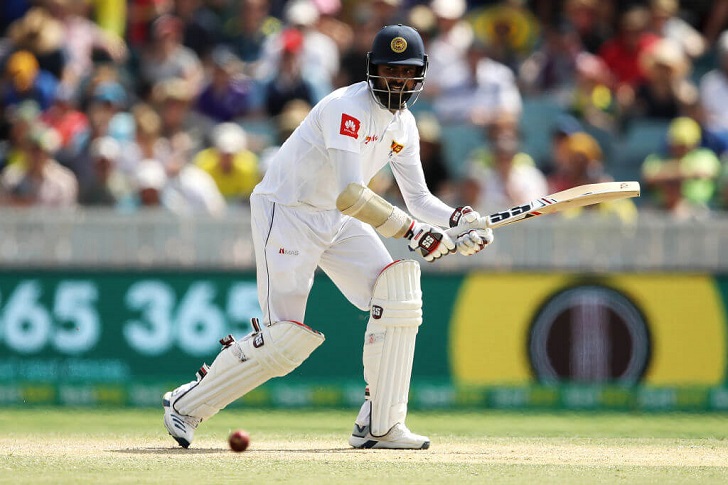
[396,147]
[398,45]
[349,126]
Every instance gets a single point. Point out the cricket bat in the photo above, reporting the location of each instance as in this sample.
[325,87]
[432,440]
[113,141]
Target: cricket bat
[579,196]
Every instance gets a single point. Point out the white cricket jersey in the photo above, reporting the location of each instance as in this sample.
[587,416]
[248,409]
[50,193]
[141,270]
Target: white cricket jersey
[348,137]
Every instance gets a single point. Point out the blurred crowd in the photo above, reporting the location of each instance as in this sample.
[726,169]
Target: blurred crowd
[179,104]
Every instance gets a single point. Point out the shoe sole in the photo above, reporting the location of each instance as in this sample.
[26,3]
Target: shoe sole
[383,445]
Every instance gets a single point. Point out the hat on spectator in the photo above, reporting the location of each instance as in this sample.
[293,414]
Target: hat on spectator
[684,131]
[584,144]
[566,125]
[110,92]
[150,175]
[449,9]
[666,53]
[174,89]
[22,67]
[301,12]
[229,138]
[105,147]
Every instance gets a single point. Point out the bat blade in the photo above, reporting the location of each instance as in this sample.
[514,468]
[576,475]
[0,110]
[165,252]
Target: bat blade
[580,196]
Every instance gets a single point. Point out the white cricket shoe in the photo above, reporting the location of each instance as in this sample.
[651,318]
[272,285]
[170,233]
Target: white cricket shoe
[180,427]
[398,438]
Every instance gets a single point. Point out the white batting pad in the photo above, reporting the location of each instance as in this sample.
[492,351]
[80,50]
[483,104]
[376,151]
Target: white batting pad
[389,343]
[242,366]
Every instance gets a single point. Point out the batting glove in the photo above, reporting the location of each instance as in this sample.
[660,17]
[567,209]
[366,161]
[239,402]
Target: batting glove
[430,242]
[473,241]
[463,216]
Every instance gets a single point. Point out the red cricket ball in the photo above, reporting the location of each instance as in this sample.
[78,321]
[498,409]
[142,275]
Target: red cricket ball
[239,440]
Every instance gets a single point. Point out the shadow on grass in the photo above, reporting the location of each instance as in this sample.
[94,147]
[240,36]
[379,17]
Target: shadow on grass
[203,451]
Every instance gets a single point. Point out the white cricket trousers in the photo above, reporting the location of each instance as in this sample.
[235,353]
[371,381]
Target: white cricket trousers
[290,242]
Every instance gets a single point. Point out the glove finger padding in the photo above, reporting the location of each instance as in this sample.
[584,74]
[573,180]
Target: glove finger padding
[473,241]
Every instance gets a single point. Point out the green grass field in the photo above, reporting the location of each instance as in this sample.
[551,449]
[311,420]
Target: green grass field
[309,447]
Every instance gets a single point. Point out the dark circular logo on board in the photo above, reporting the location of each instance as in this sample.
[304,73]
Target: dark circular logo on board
[589,334]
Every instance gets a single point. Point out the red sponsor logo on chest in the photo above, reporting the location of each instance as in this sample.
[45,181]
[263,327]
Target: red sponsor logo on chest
[349,126]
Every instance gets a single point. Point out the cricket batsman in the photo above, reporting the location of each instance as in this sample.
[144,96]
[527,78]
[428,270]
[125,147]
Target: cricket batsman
[313,209]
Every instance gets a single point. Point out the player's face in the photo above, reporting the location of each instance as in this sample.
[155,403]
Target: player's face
[397,78]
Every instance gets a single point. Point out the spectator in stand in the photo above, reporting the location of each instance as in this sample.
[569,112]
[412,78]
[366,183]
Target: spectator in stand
[201,29]
[230,164]
[24,80]
[141,15]
[42,35]
[229,95]
[82,37]
[589,22]
[190,190]
[110,15]
[148,188]
[666,92]
[64,116]
[107,116]
[684,179]
[185,128]
[319,55]
[166,58]
[289,81]
[665,21]
[551,68]
[21,117]
[488,92]
[292,115]
[107,111]
[148,143]
[355,56]
[248,31]
[331,24]
[713,89]
[510,30]
[448,48]
[41,180]
[592,101]
[583,164]
[564,126]
[108,185]
[505,180]
[623,51]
